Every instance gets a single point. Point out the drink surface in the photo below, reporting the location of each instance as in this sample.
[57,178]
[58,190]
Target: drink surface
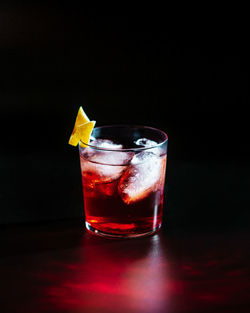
[123,190]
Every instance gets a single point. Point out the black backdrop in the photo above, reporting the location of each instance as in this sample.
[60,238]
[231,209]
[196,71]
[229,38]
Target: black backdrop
[184,70]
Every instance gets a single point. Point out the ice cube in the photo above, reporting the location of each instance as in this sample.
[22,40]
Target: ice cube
[107,189]
[105,144]
[105,165]
[142,157]
[113,158]
[149,145]
[142,177]
[144,142]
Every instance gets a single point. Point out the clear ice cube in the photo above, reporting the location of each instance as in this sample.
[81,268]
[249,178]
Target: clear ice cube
[141,178]
[142,157]
[149,145]
[144,142]
[105,144]
[105,165]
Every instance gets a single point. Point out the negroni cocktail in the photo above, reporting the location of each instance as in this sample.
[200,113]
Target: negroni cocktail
[123,176]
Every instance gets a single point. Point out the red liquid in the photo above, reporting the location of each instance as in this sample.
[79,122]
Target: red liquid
[110,211]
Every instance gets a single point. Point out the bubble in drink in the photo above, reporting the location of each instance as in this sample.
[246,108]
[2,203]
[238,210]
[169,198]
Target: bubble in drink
[141,177]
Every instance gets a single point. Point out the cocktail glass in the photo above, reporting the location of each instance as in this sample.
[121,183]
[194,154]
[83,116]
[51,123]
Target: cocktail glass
[123,175]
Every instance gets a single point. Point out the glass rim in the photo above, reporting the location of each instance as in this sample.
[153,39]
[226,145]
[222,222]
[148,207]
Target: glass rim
[127,149]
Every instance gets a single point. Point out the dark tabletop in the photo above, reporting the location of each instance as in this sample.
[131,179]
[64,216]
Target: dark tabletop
[198,262]
[59,267]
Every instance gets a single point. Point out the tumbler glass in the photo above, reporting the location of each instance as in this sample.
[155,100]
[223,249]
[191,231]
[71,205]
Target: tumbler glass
[123,175]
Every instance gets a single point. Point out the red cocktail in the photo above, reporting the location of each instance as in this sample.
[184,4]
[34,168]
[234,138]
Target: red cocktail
[123,176]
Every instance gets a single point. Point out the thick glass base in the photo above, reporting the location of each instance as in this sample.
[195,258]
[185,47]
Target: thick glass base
[99,233]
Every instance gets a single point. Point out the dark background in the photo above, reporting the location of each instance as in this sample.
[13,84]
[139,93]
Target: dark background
[183,70]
